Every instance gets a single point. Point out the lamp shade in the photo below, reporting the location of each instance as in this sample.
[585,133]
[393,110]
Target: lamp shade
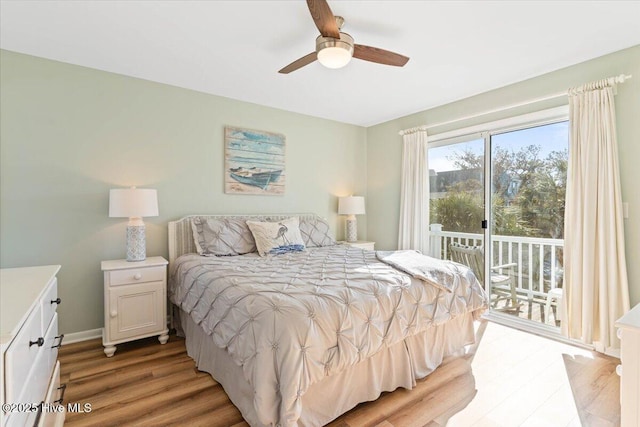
[133,202]
[351,205]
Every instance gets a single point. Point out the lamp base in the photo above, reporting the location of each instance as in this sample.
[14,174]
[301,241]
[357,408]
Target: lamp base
[352,230]
[136,243]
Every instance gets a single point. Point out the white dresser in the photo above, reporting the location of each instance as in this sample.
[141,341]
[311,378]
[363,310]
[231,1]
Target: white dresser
[29,340]
[629,371]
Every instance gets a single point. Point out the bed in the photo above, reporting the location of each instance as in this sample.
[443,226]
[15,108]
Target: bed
[300,338]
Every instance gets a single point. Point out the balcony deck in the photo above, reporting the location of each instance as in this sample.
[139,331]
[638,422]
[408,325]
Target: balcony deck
[535,312]
[538,271]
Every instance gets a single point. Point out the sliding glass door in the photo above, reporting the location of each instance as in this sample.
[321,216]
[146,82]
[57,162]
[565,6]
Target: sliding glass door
[457,207]
[528,185]
[514,242]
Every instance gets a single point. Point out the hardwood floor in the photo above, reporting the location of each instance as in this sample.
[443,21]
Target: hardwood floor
[510,378]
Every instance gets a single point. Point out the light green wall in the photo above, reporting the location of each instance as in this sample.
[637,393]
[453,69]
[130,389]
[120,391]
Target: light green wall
[384,144]
[69,134]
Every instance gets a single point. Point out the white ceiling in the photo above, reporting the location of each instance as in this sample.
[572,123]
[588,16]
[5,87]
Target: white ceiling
[235,48]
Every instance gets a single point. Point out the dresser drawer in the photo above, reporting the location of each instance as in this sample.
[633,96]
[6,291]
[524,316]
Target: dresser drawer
[38,381]
[50,348]
[51,417]
[21,355]
[33,393]
[49,304]
[136,275]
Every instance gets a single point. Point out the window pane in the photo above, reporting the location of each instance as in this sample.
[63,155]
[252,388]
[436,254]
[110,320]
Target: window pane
[529,180]
[456,174]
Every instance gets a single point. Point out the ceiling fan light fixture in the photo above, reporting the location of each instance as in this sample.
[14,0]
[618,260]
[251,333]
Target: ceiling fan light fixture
[334,49]
[334,53]
[334,57]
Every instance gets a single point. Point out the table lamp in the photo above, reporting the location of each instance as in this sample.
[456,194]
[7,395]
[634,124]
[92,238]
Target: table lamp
[351,206]
[134,203]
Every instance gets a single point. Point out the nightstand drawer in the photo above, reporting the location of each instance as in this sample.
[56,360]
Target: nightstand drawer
[136,275]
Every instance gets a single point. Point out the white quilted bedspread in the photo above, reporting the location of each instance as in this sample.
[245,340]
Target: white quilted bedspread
[291,319]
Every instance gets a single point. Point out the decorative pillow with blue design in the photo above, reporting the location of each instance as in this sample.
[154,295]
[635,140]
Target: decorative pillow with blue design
[273,238]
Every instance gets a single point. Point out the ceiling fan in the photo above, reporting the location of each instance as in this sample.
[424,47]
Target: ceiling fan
[334,48]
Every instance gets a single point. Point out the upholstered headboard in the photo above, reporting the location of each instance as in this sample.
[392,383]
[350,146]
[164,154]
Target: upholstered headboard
[181,236]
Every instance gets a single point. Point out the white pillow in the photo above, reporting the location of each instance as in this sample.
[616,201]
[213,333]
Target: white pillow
[277,237]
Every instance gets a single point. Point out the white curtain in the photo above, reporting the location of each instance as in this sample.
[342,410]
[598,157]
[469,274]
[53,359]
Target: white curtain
[414,196]
[596,288]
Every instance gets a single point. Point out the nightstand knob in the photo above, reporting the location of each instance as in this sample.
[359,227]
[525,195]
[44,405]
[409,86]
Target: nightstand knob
[137,276]
[114,313]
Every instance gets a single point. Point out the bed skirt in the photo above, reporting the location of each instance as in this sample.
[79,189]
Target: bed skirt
[397,366]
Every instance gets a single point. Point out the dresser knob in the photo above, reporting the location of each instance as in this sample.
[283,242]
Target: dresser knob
[39,341]
[56,301]
[619,370]
[114,313]
[137,276]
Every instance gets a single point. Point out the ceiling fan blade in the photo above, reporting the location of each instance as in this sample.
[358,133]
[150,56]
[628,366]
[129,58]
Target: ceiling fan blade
[299,63]
[381,56]
[323,18]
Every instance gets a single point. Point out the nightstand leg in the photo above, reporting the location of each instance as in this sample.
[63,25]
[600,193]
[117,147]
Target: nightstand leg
[109,350]
[163,338]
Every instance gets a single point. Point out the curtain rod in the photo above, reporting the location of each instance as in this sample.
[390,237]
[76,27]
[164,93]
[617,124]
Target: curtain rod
[611,80]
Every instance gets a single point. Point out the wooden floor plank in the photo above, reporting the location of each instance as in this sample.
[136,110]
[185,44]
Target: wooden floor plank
[392,403]
[205,402]
[126,358]
[225,416]
[596,387]
[81,348]
[89,386]
[148,384]
[131,409]
[437,402]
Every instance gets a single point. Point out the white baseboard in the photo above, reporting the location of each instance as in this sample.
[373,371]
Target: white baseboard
[82,336]
[91,334]
[615,352]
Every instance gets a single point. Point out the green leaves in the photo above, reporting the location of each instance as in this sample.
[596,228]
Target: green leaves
[528,194]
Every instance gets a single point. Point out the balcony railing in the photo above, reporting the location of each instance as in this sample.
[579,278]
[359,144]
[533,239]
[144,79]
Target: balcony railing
[539,260]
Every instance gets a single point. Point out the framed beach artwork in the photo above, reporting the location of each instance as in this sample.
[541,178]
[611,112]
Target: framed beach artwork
[254,162]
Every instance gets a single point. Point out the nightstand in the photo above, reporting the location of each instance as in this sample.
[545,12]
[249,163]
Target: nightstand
[135,301]
[370,246]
